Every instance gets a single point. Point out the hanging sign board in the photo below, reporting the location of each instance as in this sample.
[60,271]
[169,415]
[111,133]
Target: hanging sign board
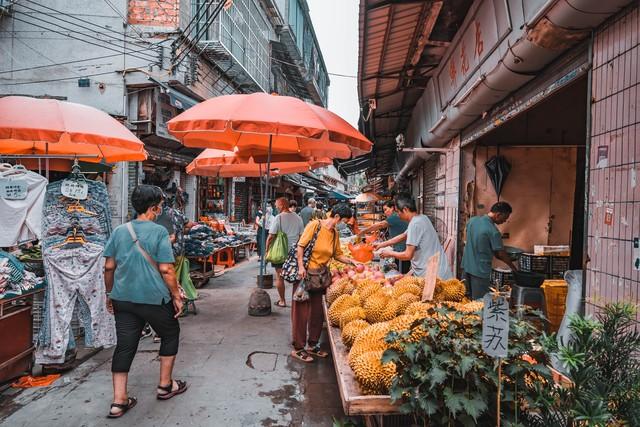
[78,190]
[239,179]
[495,325]
[15,189]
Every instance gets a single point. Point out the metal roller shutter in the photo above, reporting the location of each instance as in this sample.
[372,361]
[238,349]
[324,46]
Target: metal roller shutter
[429,187]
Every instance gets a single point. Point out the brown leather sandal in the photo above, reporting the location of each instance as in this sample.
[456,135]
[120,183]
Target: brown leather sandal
[170,392]
[317,351]
[302,356]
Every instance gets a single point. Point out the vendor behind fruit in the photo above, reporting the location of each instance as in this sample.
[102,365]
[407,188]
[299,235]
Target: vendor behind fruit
[396,227]
[484,241]
[422,241]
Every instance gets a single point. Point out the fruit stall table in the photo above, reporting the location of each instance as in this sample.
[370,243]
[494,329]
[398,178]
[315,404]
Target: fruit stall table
[354,403]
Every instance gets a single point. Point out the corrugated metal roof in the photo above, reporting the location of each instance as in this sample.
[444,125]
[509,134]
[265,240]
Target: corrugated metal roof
[401,43]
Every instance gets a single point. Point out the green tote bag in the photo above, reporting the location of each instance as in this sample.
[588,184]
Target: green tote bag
[279,249]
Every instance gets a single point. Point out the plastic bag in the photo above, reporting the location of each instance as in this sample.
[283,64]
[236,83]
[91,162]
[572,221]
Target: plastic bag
[279,249]
[301,294]
[362,252]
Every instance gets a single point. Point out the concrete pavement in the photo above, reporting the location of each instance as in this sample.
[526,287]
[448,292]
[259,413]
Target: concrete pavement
[238,367]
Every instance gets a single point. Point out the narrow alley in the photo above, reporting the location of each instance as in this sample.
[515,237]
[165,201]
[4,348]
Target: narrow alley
[238,367]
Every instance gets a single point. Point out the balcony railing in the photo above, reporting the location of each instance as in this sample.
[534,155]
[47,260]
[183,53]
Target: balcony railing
[238,41]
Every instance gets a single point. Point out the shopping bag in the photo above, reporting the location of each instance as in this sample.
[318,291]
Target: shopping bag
[279,249]
[182,274]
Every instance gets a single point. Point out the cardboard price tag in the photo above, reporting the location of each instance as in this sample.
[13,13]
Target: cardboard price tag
[495,325]
[78,190]
[15,189]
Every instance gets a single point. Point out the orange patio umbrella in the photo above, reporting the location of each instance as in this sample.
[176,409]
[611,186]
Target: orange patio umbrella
[227,164]
[251,124]
[48,127]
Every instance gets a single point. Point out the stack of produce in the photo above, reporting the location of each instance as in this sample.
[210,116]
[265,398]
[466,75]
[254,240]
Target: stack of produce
[366,307]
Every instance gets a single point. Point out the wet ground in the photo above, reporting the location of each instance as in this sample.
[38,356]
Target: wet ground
[238,367]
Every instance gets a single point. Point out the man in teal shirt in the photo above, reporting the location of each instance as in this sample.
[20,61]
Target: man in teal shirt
[484,241]
[142,288]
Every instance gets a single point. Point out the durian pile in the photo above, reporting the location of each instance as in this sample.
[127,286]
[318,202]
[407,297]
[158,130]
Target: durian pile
[367,309]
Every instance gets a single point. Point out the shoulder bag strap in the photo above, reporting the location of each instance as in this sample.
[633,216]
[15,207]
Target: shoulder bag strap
[309,248]
[144,253]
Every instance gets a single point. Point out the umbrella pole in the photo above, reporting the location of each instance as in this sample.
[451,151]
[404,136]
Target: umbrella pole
[264,214]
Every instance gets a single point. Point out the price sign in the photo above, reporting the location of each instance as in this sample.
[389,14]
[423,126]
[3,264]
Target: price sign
[13,189]
[495,325]
[74,189]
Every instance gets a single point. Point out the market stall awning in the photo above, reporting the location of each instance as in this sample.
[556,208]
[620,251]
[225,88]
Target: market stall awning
[401,44]
[335,194]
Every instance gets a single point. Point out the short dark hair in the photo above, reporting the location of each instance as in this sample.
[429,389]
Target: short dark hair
[342,210]
[390,204]
[502,208]
[319,205]
[145,196]
[404,200]
[293,203]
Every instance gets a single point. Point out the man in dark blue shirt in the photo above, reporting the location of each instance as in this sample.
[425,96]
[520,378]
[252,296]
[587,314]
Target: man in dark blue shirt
[396,227]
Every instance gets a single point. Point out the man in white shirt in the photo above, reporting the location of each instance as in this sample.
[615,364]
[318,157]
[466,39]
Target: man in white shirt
[422,240]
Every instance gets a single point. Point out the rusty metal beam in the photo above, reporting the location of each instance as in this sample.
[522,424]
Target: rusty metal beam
[427,29]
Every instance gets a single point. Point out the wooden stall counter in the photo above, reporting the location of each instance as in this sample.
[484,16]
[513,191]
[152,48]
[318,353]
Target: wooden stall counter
[353,401]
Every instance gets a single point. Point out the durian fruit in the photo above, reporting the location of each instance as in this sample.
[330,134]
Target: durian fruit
[405,300]
[411,280]
[420,308]
[370,338]
[351,330]
[375,307]
[403,287]
[466,307]
[404,322]
[349,287]
[391,310]
[342,303]
[371,374]
[449,290]
[334,291]
[351,314]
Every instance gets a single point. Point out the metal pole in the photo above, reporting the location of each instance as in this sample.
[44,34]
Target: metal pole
[264,215]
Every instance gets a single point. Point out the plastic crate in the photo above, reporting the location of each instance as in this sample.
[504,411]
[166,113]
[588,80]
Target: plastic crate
[559,264]
[501,277]
[531,263]
[555,296]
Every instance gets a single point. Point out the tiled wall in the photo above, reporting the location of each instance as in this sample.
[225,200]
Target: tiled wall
[614,190]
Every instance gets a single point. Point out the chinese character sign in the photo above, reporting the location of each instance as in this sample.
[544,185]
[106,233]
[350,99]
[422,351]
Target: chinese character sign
[78,190]
[495,325]
[15,189]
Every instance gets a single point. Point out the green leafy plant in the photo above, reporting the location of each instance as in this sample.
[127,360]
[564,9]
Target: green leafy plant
[446,379]
[602,361]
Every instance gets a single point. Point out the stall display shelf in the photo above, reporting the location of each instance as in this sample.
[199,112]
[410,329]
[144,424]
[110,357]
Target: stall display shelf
[353,401]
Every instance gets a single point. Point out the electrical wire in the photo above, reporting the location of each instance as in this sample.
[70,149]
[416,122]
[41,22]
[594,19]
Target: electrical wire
[58,79]
[124,20]
[67,62]
[71,29]
[41,54]
[196,16]
[121,52]
[78,19]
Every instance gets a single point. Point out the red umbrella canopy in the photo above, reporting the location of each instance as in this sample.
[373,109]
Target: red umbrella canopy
[228,164]
[245,123]
[48,126]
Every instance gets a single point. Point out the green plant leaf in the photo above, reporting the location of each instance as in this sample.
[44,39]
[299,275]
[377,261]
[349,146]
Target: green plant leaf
[390,356]
[465,365]
[453,400]
[436,376]
[474,406]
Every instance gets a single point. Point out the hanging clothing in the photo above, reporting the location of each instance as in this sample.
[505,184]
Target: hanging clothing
[75,273]
[21,219]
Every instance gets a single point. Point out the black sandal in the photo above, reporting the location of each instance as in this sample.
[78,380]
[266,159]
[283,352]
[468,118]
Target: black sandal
[170,392]
[124,407]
